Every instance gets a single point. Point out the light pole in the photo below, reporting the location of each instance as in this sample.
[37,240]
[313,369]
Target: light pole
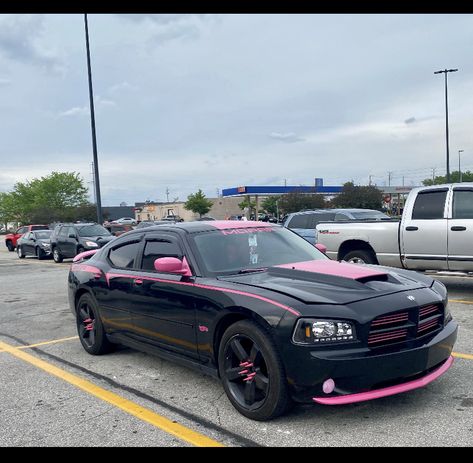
[459,168]
[445,71]
[92,124]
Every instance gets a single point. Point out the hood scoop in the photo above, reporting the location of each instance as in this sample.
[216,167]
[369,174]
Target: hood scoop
[354,276]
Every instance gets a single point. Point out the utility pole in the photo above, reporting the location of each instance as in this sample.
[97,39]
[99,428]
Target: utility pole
[98,199]
[446,71]
[369,182]
[167,194]
[459,167]
[433,174]
[389,178]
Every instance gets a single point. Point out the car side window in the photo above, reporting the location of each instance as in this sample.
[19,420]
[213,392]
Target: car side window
[341,217]
[22,230]
[429,205]
[71,231]
[323,217]
[124,256]
[462,204]
[299,221]
[156,249]
[62,232]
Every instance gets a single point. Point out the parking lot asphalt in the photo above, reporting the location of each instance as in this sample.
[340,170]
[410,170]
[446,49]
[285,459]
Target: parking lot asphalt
[53,393]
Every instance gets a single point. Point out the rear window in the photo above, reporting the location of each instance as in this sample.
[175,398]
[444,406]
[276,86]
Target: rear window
[93,230]
[39,227]
[429,205]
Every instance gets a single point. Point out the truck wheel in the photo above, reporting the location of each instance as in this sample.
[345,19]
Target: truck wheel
[10,246]
[360,256]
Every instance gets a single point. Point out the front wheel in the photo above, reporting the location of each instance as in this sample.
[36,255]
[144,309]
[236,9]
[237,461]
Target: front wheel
[252,372]
[360,256]
[57,256]
[20,252]
[40,253]
[90,328]
[10,246]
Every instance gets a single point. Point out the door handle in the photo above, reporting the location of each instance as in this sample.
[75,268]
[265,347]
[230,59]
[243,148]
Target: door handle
[458,228]
[138,282]
[412,228]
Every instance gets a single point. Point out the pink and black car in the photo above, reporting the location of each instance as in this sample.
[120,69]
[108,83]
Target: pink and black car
[265,311]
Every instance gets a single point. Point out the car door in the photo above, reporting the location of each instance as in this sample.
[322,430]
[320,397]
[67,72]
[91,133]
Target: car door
[27,244]
[424,234]
[116,299]
[460,230]
[163,309]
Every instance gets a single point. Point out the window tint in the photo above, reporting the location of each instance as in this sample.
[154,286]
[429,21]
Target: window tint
[22,230]
[71,231]
[63,232]
[429,205]
[341,217]
[124,256]
[39,227]
[322,217]
[156,249]
[299,221]
[463,204]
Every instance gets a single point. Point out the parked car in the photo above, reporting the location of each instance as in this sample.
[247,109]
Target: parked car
[262,309]
[204,218]
[35,243]
[117,229]
[71,239]
[304,223]
[173,218]
[125,220]
[12,238]
[150,223]
[434,233]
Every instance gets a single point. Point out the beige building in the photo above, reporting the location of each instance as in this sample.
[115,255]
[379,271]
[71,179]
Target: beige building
[222,208]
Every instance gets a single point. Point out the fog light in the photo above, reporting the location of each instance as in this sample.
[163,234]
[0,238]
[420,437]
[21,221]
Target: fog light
[328,386]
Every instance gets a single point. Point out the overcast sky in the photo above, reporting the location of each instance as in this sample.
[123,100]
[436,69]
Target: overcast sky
[217,101]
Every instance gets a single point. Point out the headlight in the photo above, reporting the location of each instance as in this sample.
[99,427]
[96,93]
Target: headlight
[441,289]
[312,332]
[45,245]
[91,244]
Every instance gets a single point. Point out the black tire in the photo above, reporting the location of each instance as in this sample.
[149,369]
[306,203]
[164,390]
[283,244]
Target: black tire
[20,252]
[360,256]
[57,256]
[40,253]
[90,328]
[10,246]
[79,250]
[252,372]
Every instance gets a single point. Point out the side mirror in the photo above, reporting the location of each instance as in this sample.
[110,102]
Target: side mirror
[173,265]
[321,247]
[71,235]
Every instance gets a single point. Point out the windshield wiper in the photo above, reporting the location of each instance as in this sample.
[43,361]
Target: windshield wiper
[252,270]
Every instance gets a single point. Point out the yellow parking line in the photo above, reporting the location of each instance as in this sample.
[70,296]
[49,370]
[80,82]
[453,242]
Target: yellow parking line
[461,301]
[462,356]
[55,341]
[177,430]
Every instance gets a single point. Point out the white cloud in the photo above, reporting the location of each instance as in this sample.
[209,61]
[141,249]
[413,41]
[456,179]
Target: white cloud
[75,111]
[289,137]
[122,87]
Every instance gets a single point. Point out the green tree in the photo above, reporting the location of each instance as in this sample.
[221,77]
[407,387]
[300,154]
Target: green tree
[295,202]
[8,209]
[198,203]
[364,197]
[454,178]
[270,204]
[251,205]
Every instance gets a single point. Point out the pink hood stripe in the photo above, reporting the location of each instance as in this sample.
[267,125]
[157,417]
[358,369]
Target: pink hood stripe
[109,276]
[230,224]
[331,267]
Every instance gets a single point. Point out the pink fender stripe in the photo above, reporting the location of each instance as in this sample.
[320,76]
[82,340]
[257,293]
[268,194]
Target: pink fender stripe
[109,276]
[86,268]
[387,391]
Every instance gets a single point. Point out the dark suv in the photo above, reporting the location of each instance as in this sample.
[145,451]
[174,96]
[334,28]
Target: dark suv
[70,239]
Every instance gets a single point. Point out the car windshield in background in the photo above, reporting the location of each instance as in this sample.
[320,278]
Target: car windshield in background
[93,230]
[43,235]
[231,251]
[371,215]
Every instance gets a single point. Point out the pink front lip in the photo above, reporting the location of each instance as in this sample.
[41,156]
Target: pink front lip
[387,391]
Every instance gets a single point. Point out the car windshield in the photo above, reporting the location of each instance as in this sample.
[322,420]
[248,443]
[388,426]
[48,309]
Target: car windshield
[370,215]
[43,235]
[93,230]
[241,250]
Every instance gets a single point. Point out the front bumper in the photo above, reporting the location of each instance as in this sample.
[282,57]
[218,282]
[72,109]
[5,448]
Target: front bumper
[364,370]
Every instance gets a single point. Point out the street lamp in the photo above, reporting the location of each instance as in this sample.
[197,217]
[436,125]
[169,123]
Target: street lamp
[459,168]
[92,124]
[445,71]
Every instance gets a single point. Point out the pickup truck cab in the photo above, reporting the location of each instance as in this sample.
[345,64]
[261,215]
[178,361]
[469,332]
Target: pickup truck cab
[435,233]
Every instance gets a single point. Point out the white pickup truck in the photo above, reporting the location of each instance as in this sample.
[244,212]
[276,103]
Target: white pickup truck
[434,233]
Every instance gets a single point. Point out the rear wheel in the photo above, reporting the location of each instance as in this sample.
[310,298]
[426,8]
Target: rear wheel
[57,256]
[252,372]
[360,256]
[89,327]
[10,246]
[20,252]
[40,253]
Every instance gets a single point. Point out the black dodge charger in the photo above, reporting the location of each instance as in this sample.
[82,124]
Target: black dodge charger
[257,306]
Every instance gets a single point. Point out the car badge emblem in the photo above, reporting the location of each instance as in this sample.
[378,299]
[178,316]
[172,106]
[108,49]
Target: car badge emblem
[411,298]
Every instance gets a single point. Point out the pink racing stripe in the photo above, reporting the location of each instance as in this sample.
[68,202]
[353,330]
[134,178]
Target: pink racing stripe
[387,391]
[109,276]
[86,268]
[230,224]
[330,267]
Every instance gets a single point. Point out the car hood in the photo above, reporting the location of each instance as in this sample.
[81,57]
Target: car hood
[98,239]
[331,282]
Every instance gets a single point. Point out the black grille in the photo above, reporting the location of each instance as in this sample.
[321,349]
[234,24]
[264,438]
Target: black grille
[398,327]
